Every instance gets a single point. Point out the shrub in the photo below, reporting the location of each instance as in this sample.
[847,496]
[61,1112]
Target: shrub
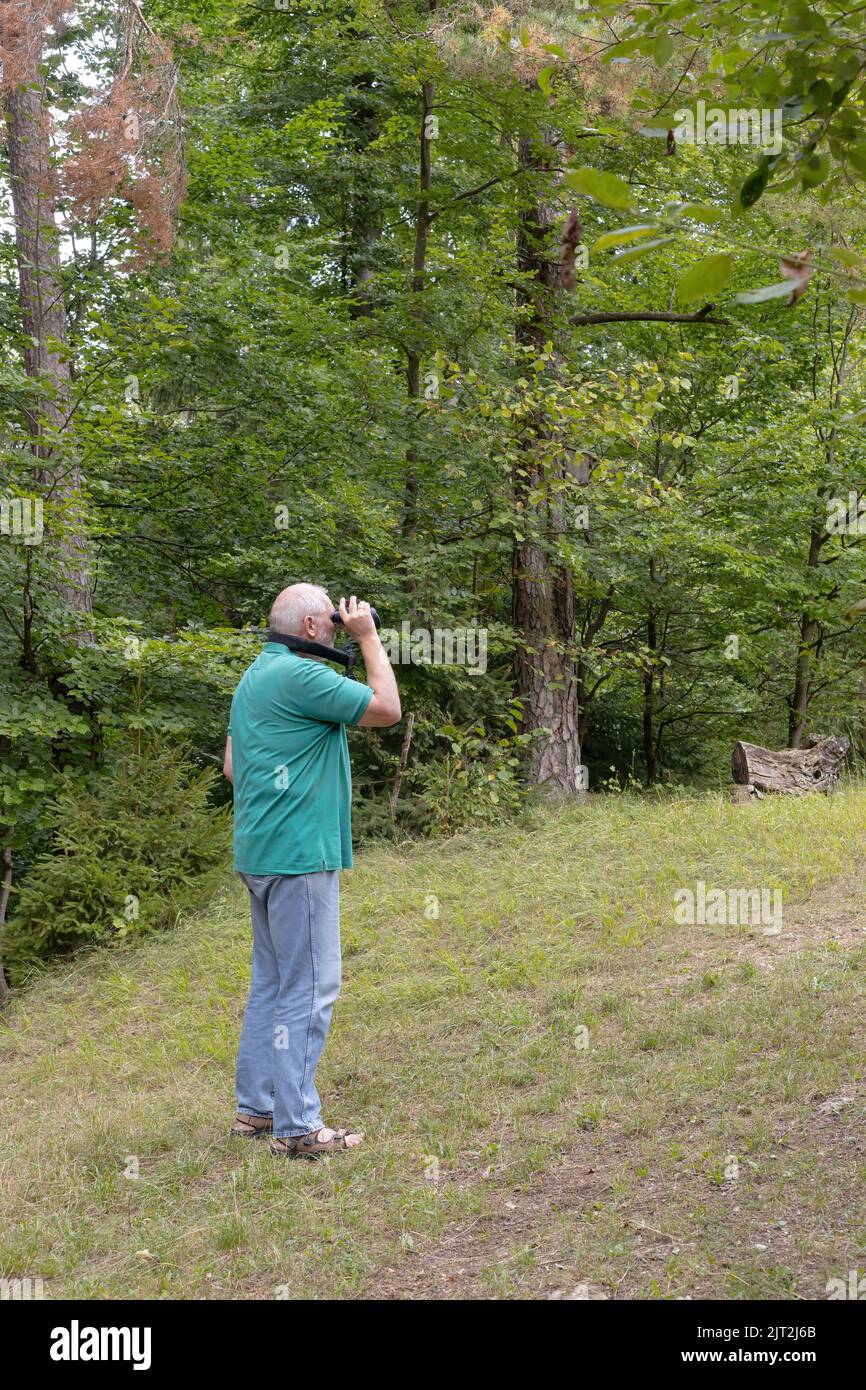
[130,850]
[477,783]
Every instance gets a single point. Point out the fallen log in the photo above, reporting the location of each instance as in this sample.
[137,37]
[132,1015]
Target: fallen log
[814,767]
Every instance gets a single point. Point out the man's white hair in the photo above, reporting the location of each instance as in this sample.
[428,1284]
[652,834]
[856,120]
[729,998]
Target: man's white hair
[294,604]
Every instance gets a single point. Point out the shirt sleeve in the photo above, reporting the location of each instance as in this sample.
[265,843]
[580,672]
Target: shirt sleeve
[319,693]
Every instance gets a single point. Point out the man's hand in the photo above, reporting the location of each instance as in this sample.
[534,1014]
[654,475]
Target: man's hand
[384,708]
[357,618]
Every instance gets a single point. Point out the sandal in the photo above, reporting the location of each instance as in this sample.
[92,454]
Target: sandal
[311,1146]
[252,1126]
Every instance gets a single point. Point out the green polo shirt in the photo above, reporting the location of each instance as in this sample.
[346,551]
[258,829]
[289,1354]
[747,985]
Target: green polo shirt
[290,764]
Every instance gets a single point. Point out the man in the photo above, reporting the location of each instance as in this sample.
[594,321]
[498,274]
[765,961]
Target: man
[288,757]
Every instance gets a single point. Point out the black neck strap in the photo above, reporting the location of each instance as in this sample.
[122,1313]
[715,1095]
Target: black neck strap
[345,655]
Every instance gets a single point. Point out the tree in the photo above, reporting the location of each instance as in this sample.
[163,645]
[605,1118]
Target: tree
[25,24]
[542,586]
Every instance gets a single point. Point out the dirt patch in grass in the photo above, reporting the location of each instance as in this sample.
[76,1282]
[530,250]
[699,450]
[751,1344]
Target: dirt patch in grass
[677,1234]
[453,1266]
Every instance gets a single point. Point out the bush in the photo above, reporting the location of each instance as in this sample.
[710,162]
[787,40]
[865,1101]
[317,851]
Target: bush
[130,850]
[477,783]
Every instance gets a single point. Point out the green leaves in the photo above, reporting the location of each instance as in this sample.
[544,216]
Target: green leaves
[624,235]
[605,188]
[701,212]
[782,290]
[663,50]
[857,156]
[814,170]
[544,79]
[754,185]
[705,278]
[798,270]
[635,252]
[847,256]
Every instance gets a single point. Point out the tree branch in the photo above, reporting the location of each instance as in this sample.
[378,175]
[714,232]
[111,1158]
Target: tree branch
[482,187]
[702,316]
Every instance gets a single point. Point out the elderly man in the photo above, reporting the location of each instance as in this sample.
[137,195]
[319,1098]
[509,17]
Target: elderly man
[288,757]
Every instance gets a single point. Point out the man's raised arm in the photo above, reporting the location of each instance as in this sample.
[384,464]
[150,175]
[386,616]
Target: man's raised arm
[384,708]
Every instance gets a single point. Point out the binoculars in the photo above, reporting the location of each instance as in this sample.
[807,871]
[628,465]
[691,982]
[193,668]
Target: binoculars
[337,620]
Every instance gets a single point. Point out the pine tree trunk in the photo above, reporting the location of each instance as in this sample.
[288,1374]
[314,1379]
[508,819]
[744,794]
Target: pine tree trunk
[43,323]
[543,590]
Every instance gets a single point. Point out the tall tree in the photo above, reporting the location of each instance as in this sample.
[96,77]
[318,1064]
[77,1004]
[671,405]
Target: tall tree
[24,25]
[542,585]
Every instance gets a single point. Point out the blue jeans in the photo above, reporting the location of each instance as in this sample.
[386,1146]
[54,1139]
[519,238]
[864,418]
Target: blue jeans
[295,980]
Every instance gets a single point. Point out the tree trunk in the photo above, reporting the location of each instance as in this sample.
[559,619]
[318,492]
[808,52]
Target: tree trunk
[401,766]
[798,703]
[5,888]
[364,214]
[811,630]
[413,357]
[43,320]
[543,590]
[813,768]
[649,744]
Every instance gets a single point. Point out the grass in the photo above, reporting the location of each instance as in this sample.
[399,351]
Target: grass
[565,1093]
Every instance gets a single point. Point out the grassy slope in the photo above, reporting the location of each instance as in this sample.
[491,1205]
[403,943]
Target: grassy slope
[502,1159]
